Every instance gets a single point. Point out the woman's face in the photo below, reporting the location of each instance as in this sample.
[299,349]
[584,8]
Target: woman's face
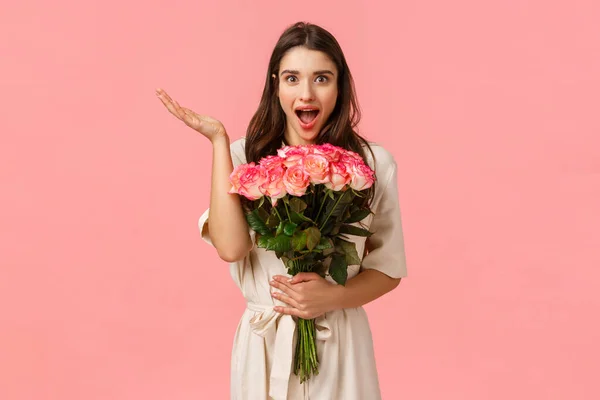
[307,93]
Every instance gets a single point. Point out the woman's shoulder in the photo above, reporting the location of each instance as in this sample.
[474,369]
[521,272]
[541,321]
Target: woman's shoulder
[238,150]
[239,144]
[384,159]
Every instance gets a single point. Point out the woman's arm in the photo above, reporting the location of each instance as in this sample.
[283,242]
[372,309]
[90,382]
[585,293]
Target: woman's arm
[226,222]
[365,287]
[308,295]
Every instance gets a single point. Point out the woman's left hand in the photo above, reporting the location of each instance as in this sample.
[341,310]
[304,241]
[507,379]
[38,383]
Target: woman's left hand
[307,295]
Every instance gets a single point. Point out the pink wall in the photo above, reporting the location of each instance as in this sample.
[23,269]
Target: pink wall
[108,292]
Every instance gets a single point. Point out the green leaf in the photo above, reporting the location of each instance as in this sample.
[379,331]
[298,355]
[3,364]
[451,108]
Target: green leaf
[338,269]
[299,218]
[272,221]
[328,228]
[343,201]
[263,241]
[297,205]
[280,227]
[354,230]
[324,243]
[304,264]
[358,216]
[349,250]
[289,228]
[299,240]
[257,223]
[281,243]
[360,193]
[313,236]
[263,214]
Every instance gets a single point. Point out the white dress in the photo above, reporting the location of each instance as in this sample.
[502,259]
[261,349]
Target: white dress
[264,343]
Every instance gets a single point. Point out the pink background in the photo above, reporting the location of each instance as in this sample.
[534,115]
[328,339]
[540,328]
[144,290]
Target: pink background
[490,108]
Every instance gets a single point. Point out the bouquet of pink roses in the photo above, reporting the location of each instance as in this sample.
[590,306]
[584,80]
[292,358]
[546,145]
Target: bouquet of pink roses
[314,193]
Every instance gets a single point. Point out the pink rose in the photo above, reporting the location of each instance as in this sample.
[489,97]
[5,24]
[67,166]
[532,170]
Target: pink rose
[270,162]
[273,185]
[292,155]
[317,167]
[339,176]
[348,155]
[310,148]
[330,151]
[296,180]
[246,180]
[362,176]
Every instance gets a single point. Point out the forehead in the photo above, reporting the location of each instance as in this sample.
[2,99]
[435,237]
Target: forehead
[306,60]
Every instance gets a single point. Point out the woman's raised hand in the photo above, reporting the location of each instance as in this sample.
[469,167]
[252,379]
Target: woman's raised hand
[209,127]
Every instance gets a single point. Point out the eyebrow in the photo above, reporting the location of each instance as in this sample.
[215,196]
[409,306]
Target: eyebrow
[296,72]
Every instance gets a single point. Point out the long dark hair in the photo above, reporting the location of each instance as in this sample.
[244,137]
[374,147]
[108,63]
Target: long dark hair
[265,132]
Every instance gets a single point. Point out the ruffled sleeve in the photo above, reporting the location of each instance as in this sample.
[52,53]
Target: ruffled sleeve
[386,244]
[203,227]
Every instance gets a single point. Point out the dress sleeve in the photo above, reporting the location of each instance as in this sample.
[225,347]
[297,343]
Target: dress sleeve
[386,244]
[203,227]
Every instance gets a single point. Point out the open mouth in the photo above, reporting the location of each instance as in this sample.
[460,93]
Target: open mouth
[307,116]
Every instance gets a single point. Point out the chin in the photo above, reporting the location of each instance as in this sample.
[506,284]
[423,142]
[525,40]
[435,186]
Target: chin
[309,136]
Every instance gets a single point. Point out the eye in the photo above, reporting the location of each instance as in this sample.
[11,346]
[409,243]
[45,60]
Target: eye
[289,77]
[322,78]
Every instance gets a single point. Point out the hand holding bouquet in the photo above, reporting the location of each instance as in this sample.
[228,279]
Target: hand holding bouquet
[314,193]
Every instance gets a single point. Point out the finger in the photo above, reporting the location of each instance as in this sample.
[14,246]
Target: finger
[178,108]
[283,284]
[289,311]
[286,290]
[304,277]
[190,118]
[190,114]
[286,299]
[165,95]
[170,106]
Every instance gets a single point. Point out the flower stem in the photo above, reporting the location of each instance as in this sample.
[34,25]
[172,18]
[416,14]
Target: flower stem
[287,211]
[330,212]
[322,203]
[306,361]
[274,208]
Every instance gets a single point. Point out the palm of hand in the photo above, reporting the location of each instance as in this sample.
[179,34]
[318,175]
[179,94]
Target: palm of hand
[204,124]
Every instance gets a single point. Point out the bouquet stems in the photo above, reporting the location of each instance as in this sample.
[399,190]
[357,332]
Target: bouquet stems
[306,363]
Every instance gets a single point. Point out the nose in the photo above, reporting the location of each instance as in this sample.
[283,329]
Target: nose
[306,91]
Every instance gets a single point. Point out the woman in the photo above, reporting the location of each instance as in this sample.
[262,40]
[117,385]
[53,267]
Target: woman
[308,98]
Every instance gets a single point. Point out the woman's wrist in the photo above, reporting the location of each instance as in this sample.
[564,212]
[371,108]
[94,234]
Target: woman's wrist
[220,138]
[339,297]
